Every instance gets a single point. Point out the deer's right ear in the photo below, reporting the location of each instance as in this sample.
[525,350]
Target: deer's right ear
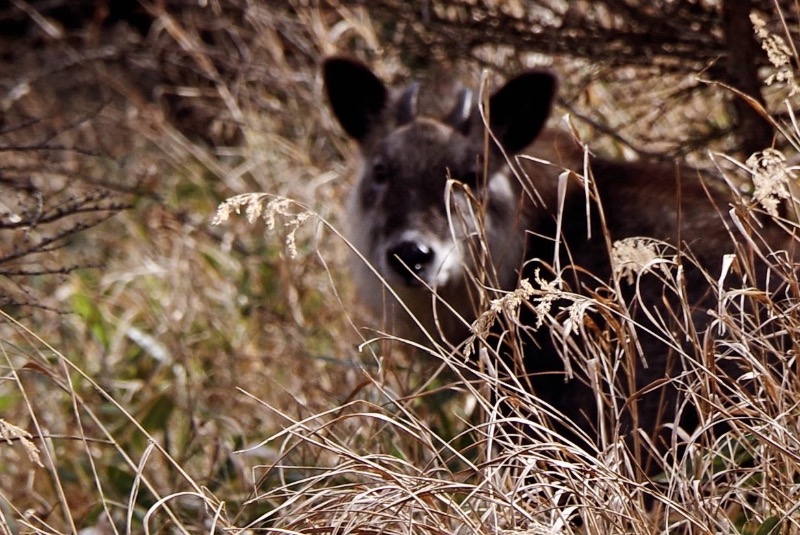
[357,96]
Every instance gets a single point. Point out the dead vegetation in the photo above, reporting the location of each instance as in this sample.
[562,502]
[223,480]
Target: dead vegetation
[195,378]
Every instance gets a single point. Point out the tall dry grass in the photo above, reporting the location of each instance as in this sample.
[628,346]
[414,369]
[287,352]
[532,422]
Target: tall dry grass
[212,378]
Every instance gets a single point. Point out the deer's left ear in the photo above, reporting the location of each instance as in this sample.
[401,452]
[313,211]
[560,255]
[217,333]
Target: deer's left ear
[519,110]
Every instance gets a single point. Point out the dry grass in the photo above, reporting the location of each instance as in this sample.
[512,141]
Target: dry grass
[213,378]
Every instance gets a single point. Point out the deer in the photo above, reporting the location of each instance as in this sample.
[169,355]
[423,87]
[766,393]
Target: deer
[488,195]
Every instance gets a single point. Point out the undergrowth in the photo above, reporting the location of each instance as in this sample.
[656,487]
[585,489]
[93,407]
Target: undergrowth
[219,378]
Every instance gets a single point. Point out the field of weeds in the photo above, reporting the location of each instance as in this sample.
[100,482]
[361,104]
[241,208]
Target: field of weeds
[162,373]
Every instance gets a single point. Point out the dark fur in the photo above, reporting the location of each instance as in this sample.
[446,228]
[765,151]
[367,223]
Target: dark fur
[399,217]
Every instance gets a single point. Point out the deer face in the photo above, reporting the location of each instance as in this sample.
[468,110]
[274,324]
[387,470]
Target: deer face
[432,208]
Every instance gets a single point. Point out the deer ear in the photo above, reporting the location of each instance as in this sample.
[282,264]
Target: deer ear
[519,110]
[356,95]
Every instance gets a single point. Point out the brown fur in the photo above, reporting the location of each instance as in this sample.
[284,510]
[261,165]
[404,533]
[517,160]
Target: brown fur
[403,222]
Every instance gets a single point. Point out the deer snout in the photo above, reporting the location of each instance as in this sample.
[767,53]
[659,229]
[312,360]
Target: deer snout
[410,260]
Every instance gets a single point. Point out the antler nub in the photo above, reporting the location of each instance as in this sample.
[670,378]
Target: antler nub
[407,104]
[459,116]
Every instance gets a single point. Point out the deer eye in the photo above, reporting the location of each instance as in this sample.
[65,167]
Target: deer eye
[380,172]
[474,172]
[471,178]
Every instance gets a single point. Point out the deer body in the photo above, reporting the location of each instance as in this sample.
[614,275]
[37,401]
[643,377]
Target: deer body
[418,230]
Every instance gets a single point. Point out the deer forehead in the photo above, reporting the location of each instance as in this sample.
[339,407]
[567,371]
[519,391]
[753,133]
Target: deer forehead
[425,142]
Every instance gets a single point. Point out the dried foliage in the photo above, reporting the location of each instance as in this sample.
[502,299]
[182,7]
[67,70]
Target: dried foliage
[208,377]
[672,43]
[56,182]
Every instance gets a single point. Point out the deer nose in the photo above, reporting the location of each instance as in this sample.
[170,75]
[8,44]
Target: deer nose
[409,259]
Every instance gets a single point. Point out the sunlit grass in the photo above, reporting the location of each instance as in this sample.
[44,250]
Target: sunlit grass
[213,378]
